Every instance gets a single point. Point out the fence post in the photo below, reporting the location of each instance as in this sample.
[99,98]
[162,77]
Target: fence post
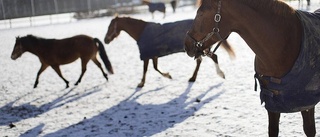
[3,11]
[116,3]
[89,5]
[4,14]
[56,8]
[32,10]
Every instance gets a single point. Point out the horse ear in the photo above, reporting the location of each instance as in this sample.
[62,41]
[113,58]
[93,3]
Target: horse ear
[116,15]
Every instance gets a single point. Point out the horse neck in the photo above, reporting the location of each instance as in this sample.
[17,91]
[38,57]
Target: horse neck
[132,26]
[32,47]
[274,37]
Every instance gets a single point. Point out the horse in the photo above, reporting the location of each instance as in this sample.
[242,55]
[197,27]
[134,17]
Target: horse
[158,6]
[54,52]
[285,43]
[308,2]
[173,4]
[159,42]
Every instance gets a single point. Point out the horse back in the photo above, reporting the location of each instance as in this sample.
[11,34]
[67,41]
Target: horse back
[64,51]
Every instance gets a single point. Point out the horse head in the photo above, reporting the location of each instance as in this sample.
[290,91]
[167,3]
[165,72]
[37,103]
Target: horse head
[146,2]
[113,31]
[18,49]
[208,28]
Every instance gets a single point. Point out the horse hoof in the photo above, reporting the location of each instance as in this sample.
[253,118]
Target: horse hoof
[222,75]
[106,76]
[192,80]
[167,75]
[35,85]
[140,85]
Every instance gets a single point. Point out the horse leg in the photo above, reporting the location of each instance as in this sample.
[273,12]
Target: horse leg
[84,63]
[99,66]
[164,14]
[155,66]
[57,69]
[42,68]
[214,57]
[195,73]
[145,68]
[308,122]
[273,123]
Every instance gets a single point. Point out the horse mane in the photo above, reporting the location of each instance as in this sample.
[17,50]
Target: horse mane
[131,21]
[277,6]
[30,36]
[128,19]
[31,39]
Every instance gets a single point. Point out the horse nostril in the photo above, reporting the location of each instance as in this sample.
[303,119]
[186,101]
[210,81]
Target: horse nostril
[13,57]
[189,52]
[106,41]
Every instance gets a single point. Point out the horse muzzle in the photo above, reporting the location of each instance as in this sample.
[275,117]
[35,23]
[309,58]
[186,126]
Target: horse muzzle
[106,40]
[190,49]
[14,56]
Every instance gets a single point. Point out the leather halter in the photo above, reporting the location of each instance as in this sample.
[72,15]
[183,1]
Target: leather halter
[215,31]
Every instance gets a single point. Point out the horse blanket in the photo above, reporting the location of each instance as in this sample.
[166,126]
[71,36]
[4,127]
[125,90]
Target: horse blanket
[162,39]
[299,89]
[156,7]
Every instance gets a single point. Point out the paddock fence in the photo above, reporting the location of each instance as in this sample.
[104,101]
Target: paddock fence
[11,9]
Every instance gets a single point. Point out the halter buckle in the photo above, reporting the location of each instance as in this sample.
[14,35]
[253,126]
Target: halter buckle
[215,30]
[198,44]
[217,18]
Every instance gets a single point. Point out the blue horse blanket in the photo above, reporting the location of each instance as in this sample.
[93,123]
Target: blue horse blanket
[299,89]
[163,39]
[156,7]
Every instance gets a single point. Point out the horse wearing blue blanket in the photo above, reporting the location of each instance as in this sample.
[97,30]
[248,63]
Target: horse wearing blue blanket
[286,43]
[159,6]
[158,40]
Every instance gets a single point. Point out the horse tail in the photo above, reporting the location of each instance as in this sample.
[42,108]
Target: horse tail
[229,49]
[103,55]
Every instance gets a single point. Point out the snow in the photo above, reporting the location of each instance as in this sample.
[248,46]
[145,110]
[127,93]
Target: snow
[211,106]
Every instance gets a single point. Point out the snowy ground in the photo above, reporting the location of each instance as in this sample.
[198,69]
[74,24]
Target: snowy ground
[211,106]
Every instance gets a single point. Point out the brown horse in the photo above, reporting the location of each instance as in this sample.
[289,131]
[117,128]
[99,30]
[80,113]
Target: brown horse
[286,66]
[135,28]
[54,53]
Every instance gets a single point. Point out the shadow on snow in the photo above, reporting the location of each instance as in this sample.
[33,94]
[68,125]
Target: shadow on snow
[130,118]
[10,114]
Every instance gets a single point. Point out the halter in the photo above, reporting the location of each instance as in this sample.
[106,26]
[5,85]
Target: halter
[215,31]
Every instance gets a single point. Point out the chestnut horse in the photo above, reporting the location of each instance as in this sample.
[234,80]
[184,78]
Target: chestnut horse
[135,28]
[274,31]
[52,52]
